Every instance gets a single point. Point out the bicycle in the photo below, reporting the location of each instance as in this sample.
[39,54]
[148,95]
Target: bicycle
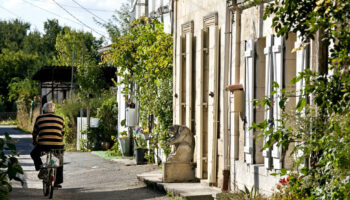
[51,166]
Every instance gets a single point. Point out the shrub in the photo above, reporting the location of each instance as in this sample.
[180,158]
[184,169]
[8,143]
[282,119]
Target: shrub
[9,166]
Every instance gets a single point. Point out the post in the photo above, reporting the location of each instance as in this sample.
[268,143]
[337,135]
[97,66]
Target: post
[71,83]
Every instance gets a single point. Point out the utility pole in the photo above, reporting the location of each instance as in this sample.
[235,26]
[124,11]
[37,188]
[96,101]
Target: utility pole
[71,81]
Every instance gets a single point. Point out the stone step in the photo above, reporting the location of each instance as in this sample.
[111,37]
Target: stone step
[191,191]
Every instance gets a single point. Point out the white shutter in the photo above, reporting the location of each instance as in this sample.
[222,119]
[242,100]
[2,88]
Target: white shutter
[268,90]
[213,102]
[199,109]
[189,80]
[179,80]
[249,96]
[277,50]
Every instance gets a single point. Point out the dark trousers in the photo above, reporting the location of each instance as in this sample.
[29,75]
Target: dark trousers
[36,153]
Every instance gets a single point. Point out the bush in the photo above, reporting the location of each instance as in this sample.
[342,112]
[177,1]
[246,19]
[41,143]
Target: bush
[69,110]
[9,166]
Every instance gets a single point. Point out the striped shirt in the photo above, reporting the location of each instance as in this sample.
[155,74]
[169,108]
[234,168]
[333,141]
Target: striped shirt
[49,128]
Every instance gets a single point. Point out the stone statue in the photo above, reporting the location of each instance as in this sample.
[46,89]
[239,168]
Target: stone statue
[183,140]
[179,166]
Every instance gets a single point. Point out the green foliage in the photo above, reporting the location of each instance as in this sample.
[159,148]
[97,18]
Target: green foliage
[10,169]
[108,113]
[118,25]
[12,34]
[69,110]
[144,60]
[115,149]
[22,52]
[22,89]
[244,194]
[319,127]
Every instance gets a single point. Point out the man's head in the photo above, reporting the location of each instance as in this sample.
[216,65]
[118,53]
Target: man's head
[49,108]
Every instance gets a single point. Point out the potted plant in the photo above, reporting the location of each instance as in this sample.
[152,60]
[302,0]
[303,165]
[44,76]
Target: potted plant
[124,142]
[141,145]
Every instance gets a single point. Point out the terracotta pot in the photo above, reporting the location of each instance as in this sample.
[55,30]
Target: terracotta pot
[105,145]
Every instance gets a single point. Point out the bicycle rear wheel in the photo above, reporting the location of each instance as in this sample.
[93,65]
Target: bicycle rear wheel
[45,188]
[52,177]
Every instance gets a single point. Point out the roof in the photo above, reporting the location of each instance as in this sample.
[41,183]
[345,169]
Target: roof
[64,74]
[53,73]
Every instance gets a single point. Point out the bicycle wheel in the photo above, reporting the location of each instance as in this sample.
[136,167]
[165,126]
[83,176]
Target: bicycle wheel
[45,187]
[52,178]
[46,182]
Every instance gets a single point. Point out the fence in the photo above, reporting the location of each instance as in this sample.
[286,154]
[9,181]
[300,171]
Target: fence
[8,116]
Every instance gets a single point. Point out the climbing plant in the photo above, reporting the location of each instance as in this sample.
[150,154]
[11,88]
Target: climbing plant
[144,60]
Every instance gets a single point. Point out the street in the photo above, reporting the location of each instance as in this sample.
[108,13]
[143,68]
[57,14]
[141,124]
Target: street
[86,176]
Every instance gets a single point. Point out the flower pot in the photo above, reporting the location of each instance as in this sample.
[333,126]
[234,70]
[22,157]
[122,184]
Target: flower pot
[125,146]
[105,145]
[140,156]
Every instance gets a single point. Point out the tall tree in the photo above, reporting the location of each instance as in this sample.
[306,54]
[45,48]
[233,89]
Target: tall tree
[12,34]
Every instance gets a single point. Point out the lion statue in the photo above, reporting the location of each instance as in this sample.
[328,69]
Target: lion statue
[183,141]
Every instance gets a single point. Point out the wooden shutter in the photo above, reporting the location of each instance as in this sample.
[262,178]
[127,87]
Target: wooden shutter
[249,96]
[277,50]
[213,101]
[199,107]
[268,90]
[180,79]
[188,80]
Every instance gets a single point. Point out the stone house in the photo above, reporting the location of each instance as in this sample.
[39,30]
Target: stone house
[226,55]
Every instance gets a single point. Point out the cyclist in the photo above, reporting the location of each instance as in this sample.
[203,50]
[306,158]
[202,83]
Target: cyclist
[48,134]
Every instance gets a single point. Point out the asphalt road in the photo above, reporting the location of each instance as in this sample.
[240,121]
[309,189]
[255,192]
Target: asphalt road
[86,176]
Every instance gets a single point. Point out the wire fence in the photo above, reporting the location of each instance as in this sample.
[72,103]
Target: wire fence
[8,116]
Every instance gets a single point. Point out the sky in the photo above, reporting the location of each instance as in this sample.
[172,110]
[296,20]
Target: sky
[36,12]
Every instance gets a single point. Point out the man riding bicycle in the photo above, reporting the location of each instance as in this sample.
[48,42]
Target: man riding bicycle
[48,134]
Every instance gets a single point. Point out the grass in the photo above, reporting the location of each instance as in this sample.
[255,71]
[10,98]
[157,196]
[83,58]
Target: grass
[9,122]
[104,154]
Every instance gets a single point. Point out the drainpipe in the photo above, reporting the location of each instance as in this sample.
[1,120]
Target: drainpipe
[237,61]
[174,25]
[226,138]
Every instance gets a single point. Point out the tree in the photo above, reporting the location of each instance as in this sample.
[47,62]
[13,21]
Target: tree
[119,24]
[12,34]
[322,129]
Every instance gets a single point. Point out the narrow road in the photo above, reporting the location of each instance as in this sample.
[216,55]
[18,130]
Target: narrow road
[86,176]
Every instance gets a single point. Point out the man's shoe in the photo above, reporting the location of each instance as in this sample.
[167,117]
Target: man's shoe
[42,173]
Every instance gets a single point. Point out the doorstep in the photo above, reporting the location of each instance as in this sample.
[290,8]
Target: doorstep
[191,191]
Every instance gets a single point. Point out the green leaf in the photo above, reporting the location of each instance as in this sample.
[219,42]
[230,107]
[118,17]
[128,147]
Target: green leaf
[283,171]
[301,104]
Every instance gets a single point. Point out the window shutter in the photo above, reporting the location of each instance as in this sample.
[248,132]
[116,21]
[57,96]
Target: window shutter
[249,96]
[268,90]
[277,50]
[188,80]
[200,105]
[180,79]
[213,101]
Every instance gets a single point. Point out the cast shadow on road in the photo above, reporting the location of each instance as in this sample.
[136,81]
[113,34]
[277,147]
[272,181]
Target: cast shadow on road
[24,140]
[80,193]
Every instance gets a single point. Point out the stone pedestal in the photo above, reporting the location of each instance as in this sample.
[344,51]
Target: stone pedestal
[174,172]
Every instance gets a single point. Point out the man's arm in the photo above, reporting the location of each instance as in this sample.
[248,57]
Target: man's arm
[35,133]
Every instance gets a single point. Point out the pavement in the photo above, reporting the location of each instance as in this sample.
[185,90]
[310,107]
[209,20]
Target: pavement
[86,176]
[190,191]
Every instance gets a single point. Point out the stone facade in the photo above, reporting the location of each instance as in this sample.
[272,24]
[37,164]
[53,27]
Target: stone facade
[226,55]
